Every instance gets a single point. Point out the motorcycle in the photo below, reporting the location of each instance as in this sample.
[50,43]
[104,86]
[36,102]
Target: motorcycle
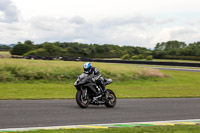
[87,90]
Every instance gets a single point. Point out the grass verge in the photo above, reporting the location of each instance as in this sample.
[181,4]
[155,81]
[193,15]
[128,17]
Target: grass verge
[179,84]
[156,129]
[18,70]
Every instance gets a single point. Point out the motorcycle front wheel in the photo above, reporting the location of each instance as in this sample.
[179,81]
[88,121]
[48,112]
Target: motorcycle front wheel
[110,99]
[83,103]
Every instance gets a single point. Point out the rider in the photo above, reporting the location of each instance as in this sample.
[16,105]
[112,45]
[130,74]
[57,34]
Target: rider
[97,76]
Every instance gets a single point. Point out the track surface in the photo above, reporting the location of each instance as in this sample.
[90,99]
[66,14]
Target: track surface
[37,113]
[175,69]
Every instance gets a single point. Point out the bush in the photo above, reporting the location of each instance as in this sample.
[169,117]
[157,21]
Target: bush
[149,57]
[125,57]
[140,56]
[37,52]
[135,57]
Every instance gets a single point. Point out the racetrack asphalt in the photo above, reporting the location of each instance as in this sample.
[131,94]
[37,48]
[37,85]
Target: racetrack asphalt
[174,69]
[38,113]
[177,69]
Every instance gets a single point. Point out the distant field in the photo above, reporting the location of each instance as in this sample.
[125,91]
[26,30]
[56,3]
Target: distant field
[37,79]
[5,54]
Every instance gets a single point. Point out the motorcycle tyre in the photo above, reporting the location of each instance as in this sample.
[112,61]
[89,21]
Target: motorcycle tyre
[107,103]
[79,101]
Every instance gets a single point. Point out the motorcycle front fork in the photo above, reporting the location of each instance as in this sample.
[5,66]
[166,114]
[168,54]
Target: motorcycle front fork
[84,93]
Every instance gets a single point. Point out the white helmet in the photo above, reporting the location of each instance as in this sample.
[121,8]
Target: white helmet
[87,67]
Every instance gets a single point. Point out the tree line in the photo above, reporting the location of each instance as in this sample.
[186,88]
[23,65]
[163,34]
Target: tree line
[165,50]
[74,49]
[177,50]
[4,47]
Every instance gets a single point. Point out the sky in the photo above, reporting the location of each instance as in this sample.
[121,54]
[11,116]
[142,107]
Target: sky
[141,23]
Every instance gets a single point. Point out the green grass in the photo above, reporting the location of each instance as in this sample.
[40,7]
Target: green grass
[36,91]
[179,84]
[156,129]
[17,80]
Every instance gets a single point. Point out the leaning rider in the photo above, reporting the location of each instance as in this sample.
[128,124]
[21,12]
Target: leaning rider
[97,76]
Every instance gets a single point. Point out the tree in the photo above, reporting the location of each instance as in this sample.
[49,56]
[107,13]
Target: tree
[37,52]
[170,45]
[4,48]
[159,54]
[147,53]
[52,49]
[21,49]
[28,42]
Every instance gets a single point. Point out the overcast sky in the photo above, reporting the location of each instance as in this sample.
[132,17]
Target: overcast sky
[122,22]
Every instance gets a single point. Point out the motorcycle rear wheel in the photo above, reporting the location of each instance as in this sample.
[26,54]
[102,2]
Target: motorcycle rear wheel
[110,99]
[80,101]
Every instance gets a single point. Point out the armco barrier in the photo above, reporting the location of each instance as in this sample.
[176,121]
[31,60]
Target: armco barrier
[150,62]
